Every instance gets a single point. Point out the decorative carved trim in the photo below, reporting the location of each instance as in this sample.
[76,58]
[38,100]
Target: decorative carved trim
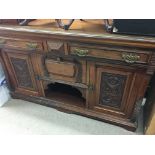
[53,45]
[112,88]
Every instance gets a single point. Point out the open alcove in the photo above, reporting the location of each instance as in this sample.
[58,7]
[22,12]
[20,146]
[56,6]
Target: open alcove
[66,94]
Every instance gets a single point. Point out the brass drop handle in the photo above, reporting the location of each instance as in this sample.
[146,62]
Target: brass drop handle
[130,57]
[32,46]
[2,41]
[81,52]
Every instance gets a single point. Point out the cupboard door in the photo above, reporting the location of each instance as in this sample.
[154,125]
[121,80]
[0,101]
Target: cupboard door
[112,89]
[21,72]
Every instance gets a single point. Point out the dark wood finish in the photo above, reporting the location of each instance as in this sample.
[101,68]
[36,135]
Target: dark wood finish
[111,88]
[20,71]
[115,89]
[108,73]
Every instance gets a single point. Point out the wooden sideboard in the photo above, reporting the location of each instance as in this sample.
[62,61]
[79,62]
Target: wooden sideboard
[84,70]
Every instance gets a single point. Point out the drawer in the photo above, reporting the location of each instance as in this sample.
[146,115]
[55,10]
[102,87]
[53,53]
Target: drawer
[26,45]
[65,70]
[59,69]
[126,56]
[57,47]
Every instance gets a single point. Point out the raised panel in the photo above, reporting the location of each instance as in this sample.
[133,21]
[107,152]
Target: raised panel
[21,72]
[111,89]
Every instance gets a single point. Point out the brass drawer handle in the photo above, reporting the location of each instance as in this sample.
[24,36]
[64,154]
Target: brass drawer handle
[32,46]
[2,41]
[130,57]
[81,52]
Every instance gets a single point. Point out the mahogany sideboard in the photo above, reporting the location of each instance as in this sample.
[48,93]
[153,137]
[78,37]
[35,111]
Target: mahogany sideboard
[91,73]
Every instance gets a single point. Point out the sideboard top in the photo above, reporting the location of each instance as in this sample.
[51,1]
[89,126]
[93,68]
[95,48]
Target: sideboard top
[93,29]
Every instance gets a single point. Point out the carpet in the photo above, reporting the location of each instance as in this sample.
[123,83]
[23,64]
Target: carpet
[22,117]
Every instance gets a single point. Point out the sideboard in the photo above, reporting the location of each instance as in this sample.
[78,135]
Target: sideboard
[84,70]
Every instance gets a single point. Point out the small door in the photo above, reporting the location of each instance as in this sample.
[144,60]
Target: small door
[60,70]
[64,69]
[21,72]
[110,88]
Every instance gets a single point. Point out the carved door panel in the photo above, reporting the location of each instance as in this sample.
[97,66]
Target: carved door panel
[21,72]
[111,89]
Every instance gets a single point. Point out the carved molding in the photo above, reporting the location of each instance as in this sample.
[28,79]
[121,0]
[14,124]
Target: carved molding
[52,45]
[112,88]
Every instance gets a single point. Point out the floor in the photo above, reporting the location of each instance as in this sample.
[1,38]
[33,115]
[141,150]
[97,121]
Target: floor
[22,117]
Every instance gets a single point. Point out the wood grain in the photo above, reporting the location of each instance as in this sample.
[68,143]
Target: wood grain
[46,55]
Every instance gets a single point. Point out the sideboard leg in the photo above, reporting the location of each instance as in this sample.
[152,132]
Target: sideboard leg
[136,112]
